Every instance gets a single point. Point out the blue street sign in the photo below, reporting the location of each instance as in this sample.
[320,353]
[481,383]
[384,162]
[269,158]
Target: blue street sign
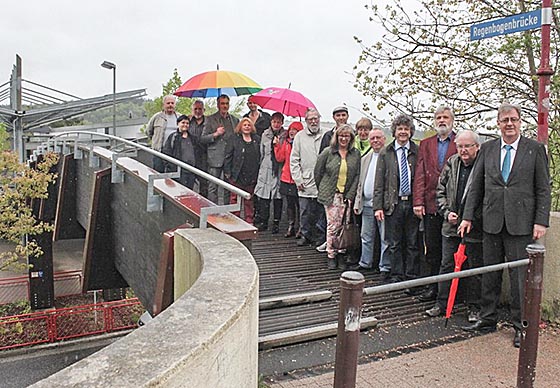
[525,21]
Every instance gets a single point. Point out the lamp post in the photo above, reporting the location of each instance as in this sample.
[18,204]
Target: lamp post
[112,66]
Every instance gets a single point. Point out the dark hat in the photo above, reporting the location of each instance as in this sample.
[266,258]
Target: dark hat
[181,118]
[340,109]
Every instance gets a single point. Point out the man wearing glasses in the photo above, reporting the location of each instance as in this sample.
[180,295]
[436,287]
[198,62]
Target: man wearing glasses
[450,196]
[305,150]
[511,183]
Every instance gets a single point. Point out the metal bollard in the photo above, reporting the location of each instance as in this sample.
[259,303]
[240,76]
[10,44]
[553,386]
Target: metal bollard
[532,316]
[348,333]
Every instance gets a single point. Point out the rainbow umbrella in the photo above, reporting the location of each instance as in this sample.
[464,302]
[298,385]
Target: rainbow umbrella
[286,101]
[217,82]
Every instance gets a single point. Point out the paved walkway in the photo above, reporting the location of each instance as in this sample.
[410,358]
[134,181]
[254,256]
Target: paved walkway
[484,361]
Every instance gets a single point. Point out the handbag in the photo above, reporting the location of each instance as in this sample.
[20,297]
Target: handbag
[348,235]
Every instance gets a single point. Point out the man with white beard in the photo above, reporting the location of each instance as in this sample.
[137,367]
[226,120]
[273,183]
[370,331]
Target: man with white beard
[305,150]
[432,156]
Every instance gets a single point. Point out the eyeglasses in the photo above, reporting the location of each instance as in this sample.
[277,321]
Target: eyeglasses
[505,120]
[465,146]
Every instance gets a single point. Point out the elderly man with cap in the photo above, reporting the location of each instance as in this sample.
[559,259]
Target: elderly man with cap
[340,116]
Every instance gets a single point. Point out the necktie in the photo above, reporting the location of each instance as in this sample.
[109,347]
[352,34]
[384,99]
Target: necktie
[405,184]
[506,166]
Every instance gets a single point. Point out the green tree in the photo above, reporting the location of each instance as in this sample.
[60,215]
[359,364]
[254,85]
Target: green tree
[4,138]
[20,184]
[424,59]
[183,104]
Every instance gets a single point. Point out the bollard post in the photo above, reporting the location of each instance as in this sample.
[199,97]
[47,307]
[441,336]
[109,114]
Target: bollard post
[348,332]
[531,319]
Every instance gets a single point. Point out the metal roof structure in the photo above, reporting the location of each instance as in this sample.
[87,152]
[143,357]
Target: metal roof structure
[29,105]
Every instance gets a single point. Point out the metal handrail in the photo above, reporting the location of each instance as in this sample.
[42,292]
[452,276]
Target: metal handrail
[443,277]
[163,156]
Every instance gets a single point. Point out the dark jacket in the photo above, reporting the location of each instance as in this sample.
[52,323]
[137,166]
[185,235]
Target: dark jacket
[235,158]
[262,123]
[446,198]
[172,147]
[200,151]
[386,189]
[521,202]
[326,174]
[428,172]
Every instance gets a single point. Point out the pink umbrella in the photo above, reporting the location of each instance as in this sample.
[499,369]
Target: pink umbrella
[286,101]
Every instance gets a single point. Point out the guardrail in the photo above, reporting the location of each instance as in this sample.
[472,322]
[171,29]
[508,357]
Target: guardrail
[350,306]
[70,322]
[53,144]
[14,289]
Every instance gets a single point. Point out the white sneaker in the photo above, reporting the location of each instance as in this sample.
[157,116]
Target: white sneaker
[322,247]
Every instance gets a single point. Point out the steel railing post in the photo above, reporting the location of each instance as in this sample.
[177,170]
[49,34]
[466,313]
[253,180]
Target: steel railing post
[531,317]
[348,332]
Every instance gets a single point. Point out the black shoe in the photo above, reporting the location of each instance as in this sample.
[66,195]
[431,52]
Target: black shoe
[481,326]
[517,338]
[262,228]
[385,276]
[291,232]
[302,241]
[413,291]
[275,228]
[341,263]
[331,263]
[355,267]
[429,294]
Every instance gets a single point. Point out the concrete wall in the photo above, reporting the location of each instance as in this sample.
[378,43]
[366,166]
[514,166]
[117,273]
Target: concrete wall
[551,276]
[206,338]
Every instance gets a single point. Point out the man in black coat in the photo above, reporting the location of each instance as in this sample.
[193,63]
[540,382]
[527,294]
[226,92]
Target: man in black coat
[511,183]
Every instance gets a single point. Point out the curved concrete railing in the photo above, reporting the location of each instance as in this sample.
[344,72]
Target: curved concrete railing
[207,338]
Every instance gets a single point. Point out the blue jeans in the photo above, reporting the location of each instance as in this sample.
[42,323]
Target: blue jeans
[371,231]
[309,211]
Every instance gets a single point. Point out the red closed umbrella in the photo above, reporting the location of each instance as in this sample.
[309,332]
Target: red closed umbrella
[459,258]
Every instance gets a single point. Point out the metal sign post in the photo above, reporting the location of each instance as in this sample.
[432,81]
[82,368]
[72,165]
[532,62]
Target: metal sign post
[528,21]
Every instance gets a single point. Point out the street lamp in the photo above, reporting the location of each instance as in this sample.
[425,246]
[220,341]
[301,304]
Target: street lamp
[112,66]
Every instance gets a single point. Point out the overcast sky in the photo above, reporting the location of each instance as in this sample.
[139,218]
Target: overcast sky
[308,43]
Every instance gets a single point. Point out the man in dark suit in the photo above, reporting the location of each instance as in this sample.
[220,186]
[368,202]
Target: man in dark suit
[392,200]
[512,184]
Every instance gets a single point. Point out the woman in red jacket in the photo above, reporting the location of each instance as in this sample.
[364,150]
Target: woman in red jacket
[288,189]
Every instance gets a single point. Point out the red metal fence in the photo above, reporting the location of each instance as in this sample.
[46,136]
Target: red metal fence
[71,322]
[17,288]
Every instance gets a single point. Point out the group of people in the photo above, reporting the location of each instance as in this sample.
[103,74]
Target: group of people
[412,201]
